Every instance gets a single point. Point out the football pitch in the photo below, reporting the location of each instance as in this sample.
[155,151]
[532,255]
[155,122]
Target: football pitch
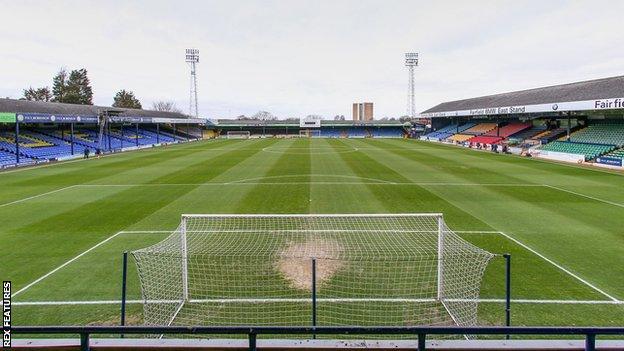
[65,226]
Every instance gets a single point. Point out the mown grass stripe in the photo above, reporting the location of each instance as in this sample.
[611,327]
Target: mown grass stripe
[287,198]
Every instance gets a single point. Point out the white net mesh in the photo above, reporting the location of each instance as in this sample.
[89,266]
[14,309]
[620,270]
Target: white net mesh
[238,134]
[371,270]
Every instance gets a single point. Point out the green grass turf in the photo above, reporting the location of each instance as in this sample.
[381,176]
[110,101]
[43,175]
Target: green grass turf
[149,189]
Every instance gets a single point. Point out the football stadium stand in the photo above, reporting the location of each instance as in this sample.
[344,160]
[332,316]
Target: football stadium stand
[572,122]
[480,128]
[449,130]
[460,137]
[8,158]
[44,144]
[550,135]
[606,132]
[484,139]
[508,130]
[34,132]
[530,133]
[616,154]
[590,151]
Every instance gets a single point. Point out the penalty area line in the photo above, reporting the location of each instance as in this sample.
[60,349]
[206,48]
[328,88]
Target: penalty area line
[585,196]
[65,264]
[560,267]
[38,195]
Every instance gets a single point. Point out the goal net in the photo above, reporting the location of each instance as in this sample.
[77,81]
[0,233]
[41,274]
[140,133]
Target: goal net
[365,270]
[310,133]
[238,134]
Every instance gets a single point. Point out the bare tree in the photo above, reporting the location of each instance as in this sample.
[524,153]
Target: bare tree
[165,106]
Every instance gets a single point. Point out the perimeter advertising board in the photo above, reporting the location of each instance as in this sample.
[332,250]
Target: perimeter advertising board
[611,161]
[7,117]
[48,118]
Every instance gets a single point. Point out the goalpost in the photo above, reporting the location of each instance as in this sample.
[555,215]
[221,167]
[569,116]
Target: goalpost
[235,134]
[309,133]
[289,270]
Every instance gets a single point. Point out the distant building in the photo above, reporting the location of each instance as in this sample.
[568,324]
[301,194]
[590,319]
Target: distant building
[363,111]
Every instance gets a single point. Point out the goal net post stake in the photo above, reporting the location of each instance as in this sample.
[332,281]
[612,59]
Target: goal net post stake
[440,273]
[184,256]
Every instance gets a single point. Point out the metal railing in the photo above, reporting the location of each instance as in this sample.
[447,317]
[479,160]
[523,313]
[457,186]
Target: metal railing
[419,333]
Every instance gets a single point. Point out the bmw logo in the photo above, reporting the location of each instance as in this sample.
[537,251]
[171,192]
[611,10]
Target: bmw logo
[555,107]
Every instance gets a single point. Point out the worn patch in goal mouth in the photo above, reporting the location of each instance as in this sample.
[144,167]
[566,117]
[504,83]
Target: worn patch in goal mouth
[295,262]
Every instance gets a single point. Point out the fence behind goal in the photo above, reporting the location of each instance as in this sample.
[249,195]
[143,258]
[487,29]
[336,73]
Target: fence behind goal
[325,270]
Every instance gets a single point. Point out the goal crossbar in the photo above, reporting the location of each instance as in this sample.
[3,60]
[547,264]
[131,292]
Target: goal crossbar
[266,215]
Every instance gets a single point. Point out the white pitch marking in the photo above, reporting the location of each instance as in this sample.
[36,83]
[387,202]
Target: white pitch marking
[36,196]
[476,231]
[308,183]
[311,175]
[191,184]
[146,231]
[583,195]
[305,300]
[560,267]
[65,264]
[300,230]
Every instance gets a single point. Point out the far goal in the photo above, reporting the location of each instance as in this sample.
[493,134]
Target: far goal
[243,134]
[295,270]
[310,133]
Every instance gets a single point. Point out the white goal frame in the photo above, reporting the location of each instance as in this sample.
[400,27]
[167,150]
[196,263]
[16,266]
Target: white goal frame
[440,219]
[238,134]
[309,133]
[455,291]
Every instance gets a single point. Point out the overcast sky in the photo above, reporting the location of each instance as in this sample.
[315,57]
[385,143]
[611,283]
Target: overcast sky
[294,58]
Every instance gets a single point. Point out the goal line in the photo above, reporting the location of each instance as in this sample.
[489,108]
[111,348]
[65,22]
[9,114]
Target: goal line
[260,301]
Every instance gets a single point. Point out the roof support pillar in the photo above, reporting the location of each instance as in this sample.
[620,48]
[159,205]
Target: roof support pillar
[17,150]
[71,138]
[568,129]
